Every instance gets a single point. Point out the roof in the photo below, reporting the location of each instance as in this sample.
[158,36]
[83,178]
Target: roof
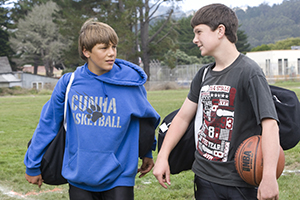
[8,78]
[4,65]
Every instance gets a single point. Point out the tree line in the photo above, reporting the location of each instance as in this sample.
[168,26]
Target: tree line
[267,24]
[44,32]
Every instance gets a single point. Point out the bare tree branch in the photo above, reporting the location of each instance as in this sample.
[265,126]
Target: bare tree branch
[162,26]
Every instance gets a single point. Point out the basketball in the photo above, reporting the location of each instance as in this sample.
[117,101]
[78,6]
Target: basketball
[249,161]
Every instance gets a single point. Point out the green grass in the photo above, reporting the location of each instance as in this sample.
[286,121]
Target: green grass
[19,116]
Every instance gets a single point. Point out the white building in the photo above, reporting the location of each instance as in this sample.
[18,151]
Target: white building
[9,78]
[278,64]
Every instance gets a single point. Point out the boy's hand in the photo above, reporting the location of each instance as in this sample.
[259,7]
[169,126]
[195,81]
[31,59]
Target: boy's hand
[35,179]
[146,167]
[162,172]
[268,189]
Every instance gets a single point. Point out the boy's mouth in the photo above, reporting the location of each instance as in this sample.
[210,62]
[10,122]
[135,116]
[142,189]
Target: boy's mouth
[110,61]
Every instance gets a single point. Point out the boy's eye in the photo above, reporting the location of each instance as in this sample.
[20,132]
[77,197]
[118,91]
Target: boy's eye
[197,31]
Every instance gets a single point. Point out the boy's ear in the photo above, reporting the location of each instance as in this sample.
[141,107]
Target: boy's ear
[221,30]
[86,53]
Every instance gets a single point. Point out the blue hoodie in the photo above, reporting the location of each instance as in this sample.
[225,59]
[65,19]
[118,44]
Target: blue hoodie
[102,136]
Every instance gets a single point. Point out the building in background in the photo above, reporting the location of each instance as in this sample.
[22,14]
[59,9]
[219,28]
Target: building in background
[278,64]
[7,76]
[28,80]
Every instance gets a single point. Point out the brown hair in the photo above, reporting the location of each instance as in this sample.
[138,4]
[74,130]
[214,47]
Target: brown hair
[215,14]
[93,32]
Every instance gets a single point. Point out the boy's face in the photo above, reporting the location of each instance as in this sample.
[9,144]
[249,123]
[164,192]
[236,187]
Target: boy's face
[205,39]
[101,58]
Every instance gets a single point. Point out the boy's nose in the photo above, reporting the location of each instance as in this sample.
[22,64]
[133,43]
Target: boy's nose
[111,51]
[195,40]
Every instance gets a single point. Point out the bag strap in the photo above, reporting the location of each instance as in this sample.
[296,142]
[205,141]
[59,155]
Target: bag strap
[66,99]
[204,73]
[199,114]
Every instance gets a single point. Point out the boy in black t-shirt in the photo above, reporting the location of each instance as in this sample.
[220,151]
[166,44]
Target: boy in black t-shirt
[233,103]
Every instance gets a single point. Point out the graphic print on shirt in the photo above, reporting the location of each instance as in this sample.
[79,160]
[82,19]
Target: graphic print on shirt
[97,111]
[218,116]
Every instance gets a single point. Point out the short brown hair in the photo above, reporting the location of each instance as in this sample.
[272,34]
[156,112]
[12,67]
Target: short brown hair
[93,32]
[215,14]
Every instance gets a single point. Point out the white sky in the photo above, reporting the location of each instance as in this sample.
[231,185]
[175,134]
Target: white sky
[187,5]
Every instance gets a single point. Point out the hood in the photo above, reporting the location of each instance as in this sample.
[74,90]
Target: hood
[124,73]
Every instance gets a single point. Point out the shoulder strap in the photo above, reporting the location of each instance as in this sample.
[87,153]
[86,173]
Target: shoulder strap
[199,114]
[204,73]
[66,99]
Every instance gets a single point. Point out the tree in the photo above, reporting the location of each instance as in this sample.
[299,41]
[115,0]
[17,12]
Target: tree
[262,47]
[37,38]
[178,57]
[145,16]
[285,44]
[166,40]
[5,49]
[280,45]
[185,41]
[119,15]
[267,24]
[21,8]
[131,19]
[242,44]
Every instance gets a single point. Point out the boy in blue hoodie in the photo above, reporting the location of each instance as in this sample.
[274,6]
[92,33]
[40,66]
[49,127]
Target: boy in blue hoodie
[105,103]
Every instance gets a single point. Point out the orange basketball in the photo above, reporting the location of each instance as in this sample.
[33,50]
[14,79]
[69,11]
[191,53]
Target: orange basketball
[249,161]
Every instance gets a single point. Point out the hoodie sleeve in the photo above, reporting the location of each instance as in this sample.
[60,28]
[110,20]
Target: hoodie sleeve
[50,121]
[148,123]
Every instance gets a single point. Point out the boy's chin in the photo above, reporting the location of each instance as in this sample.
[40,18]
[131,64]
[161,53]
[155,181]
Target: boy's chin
[203,54]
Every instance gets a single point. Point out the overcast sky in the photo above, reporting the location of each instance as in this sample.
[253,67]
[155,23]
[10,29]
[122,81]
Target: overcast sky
[187,5]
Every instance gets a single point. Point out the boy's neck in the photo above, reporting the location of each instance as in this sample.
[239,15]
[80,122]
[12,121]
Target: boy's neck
[225,57]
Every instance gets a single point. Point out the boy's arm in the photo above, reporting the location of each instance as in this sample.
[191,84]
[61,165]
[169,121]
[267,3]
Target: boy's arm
[49,123]
[268,188]
[176,130]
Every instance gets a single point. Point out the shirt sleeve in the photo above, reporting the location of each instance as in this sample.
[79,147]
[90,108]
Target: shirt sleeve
[261,98]
[193,95]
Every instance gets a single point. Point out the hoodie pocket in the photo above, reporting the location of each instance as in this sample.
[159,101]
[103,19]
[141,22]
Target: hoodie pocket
[93,168]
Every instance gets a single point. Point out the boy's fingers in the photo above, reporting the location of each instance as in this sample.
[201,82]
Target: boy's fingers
[163,180]
[168,180]
[40,182]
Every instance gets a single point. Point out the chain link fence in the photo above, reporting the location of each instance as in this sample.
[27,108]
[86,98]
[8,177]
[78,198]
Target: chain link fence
[162,77]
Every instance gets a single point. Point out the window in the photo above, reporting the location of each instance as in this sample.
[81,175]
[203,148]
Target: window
[268,70]
[34,85]
[37,85]
[286,66]
[298,66]
[279,66]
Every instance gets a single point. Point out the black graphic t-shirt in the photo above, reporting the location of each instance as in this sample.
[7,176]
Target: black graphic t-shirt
[231,105]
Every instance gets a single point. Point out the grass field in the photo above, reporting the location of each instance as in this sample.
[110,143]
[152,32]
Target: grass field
[19,116]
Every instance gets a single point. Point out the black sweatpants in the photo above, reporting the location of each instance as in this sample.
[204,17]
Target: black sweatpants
[206,190]
[117,193]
